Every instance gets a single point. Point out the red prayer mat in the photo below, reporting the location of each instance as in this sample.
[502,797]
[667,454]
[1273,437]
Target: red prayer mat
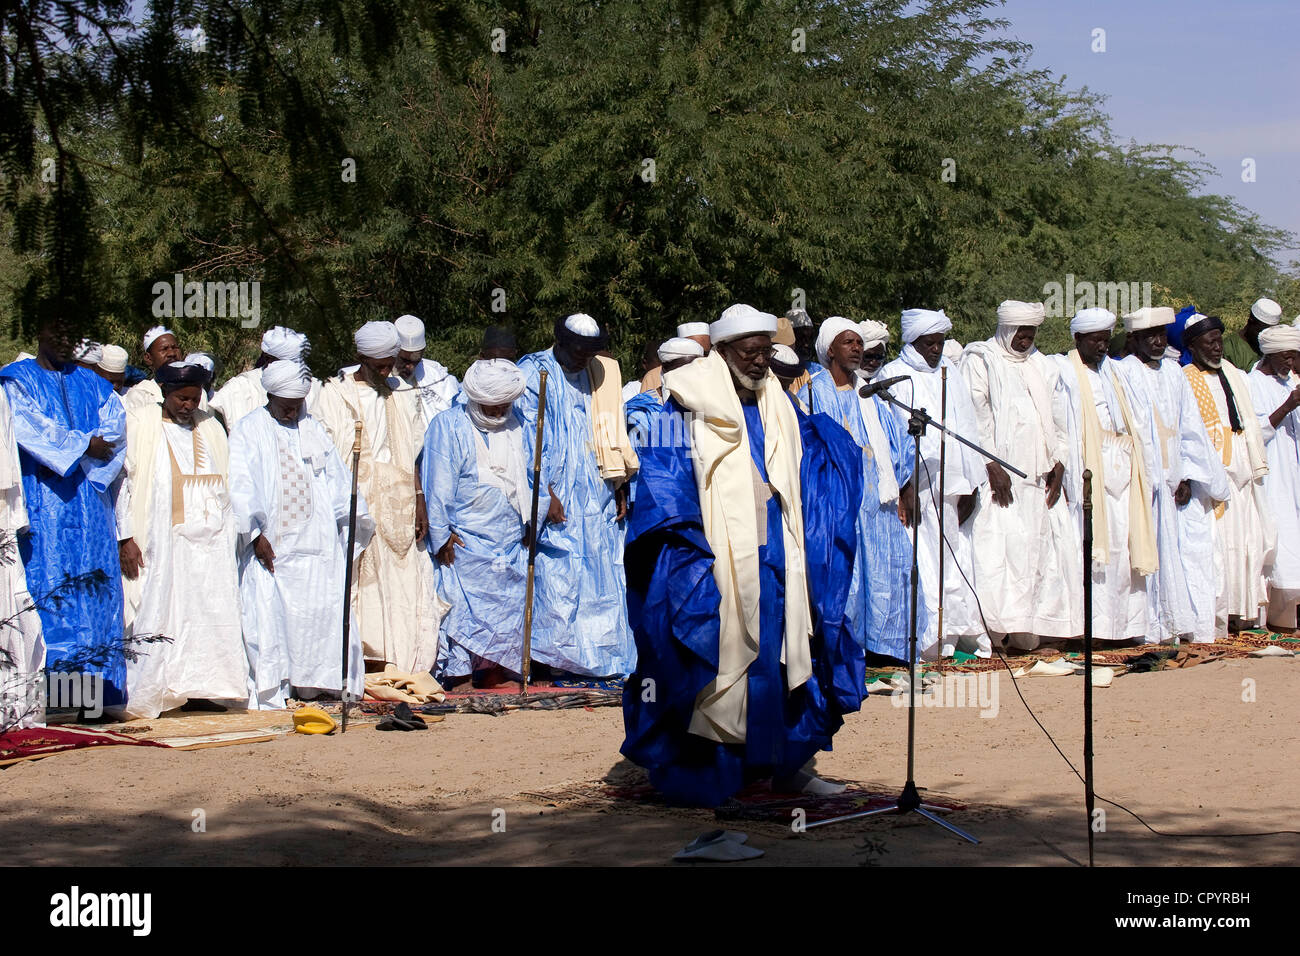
[38,742]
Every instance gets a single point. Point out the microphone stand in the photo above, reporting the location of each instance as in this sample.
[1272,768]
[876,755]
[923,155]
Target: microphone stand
[909,801]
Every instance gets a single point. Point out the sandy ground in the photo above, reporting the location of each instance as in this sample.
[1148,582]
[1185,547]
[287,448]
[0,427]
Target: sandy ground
[1181,748]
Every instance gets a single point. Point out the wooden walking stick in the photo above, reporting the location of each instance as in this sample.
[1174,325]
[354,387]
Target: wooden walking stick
[1088,792]
[532,537]
[943,467]
[347,575]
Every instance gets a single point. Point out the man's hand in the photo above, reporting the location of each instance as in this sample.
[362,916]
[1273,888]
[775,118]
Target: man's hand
[620,499]
[1055,479]
[555,512]
[965,507]
[264,552]
[98,448]
[907,504]
[128,553]
[447,553]
[1183,493]
[421,518]
[1000,483]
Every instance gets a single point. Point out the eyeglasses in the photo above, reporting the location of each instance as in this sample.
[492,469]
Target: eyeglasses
[749,354]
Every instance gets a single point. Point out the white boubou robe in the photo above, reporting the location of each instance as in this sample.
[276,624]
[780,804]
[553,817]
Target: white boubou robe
[1282,489]
[287,483]
[175,503]
[396,609]
[964,474]
[1028,557]
[22,649]
[1182,592]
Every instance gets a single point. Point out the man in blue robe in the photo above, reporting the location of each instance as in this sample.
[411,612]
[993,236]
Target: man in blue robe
[740,559]
[877,605]
[580,609]
[71,433]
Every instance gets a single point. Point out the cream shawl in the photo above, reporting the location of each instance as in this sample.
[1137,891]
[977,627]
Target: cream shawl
[615,456]
[1141,523]
[730,496]
[143,433]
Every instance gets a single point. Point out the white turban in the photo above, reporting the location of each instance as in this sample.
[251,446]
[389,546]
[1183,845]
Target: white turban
[286,379]
[1091,320]
[739,321]
[283,343]
[1012,312]
[580,323]
[830,330]
[200,358]
[493,382]
[873,333]
[680,348]
[692,328]
[1149,318]
[113,359]
[410,332]
[153,335]
[377,340]
[1279,338]
[918,322]
[88,352]
[1266,311]
[784,355]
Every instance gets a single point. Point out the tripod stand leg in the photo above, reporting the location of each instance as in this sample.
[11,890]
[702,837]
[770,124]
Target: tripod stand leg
[946,825]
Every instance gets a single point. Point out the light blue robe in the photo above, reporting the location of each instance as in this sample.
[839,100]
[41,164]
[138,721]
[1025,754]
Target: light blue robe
[72,532]
[485,583]
[879,604]
[580,600]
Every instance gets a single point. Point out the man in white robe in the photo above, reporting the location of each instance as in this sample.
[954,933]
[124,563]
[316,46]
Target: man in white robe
[1104,438]
[160,347]
[434,388]
[922,360]
[1026,545]
[1245,535]
[174,510]
[475,477]
[244,393]
[291,494]
[1275,393]
[1187,481]
[396,609]
[22,647]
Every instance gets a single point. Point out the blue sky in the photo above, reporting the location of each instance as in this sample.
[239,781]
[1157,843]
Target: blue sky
[1219,77]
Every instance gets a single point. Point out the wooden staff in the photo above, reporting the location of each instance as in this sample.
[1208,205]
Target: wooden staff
[1089,795]
[532,536]
[943,458]
[347,574]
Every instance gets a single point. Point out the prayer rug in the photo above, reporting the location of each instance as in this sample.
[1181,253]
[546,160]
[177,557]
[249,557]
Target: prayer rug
[38,742]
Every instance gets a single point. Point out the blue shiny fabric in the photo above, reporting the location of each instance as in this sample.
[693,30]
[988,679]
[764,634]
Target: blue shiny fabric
[72,527]
[878,603]
[673,607]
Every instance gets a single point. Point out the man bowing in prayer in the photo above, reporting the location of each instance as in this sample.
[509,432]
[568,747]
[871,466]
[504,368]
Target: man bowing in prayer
[741,555]
[877,611]
[643,408]
[433,388]
[1027,547]
[396,609]
[475,478]
[1245,535]
[922,361]
[1105,438]
[179,540]
[580,610]
[71,434]
[244,393]
[1276,396]
[292,493]
[1187,481]
[1242,348]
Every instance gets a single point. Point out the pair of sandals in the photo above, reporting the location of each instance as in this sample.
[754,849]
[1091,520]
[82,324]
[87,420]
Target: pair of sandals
[718,846]
[402,718]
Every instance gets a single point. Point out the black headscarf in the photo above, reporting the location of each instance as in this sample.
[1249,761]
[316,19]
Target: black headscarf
[1209,324]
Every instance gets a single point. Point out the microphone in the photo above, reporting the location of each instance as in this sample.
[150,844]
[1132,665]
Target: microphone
[871,388]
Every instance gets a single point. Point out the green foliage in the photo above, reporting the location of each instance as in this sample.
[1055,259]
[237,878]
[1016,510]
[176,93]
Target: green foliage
[893,154]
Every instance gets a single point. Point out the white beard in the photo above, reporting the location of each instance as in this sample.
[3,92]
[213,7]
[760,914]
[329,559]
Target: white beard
[745,381]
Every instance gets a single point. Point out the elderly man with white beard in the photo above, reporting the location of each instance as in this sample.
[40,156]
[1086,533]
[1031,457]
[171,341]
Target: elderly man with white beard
[1027,550]
[1104,436]
[921,361]
[1276,396]
[291,494]
[475,477]
[1245,535]
[1187,481]
[244,393]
